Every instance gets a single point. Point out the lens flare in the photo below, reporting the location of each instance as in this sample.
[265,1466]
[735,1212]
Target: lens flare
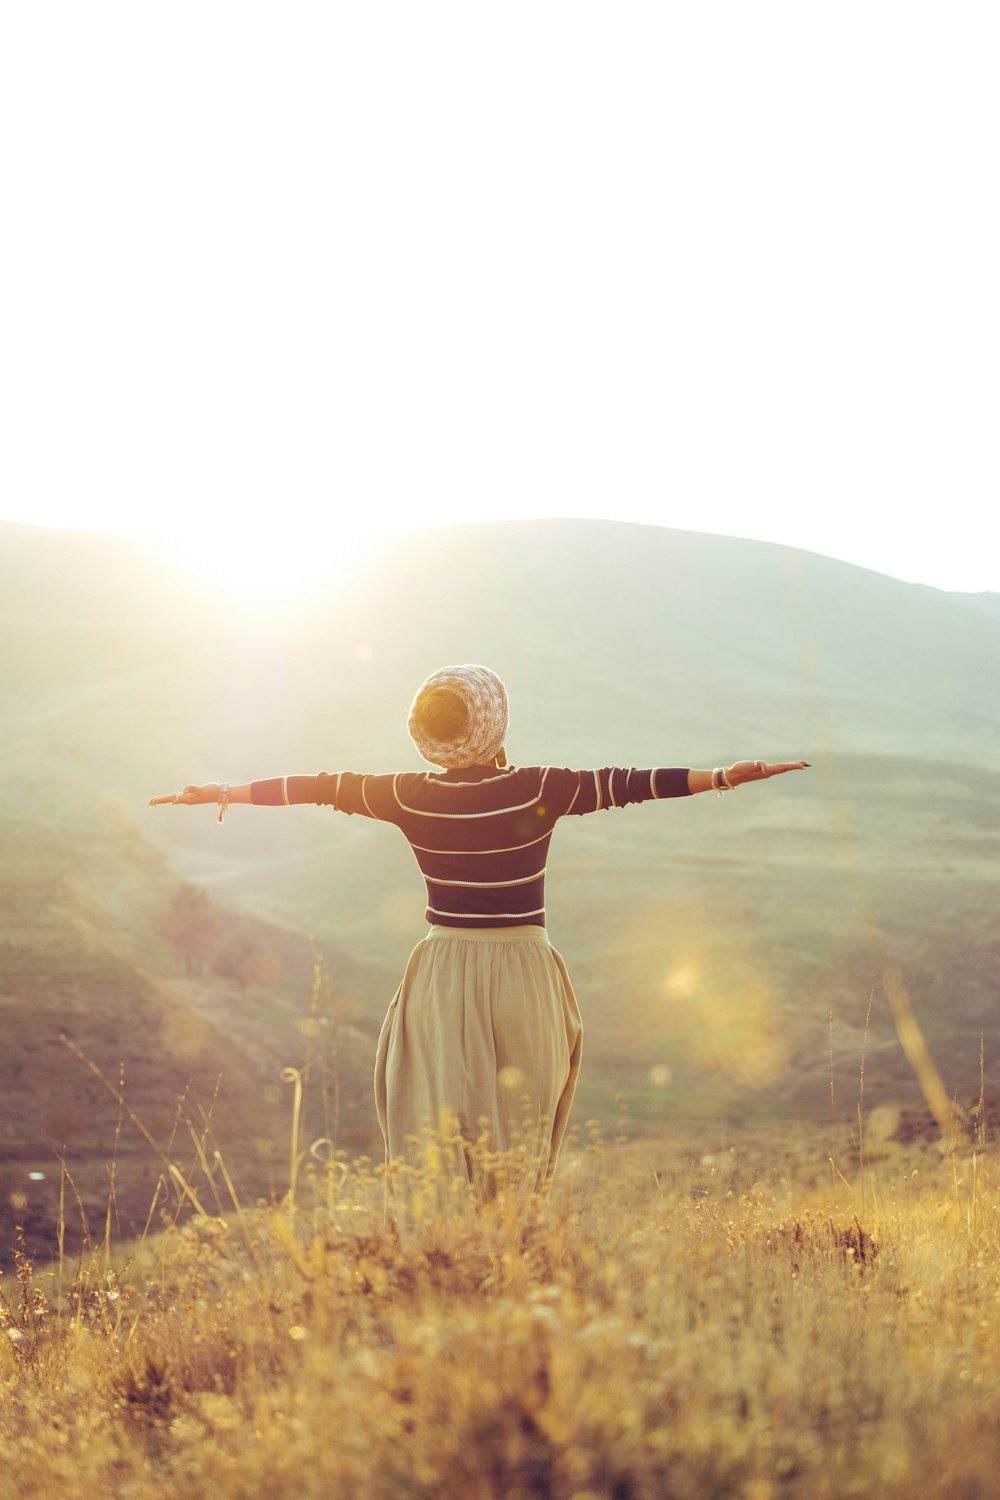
[721,1016]
[682,983]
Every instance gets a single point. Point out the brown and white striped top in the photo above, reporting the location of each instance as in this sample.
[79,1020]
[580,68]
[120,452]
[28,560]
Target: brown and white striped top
[480,835]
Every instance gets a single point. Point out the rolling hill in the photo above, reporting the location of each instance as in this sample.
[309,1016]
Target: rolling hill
[725,951]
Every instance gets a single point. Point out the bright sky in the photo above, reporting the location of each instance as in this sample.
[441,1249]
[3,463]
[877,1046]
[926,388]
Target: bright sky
[276,275]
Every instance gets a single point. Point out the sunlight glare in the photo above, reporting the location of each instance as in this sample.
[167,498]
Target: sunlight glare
[722,1017]
[257,566]
[682,983]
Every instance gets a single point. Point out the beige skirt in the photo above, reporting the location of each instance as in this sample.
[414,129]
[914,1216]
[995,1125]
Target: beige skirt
[484,1033]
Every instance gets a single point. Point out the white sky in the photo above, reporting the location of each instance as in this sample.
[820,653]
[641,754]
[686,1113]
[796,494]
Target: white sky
[726,267]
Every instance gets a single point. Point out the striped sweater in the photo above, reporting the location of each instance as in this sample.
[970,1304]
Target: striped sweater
[480,835]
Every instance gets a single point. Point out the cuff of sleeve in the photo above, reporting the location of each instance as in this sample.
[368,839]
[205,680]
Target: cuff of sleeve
[671,781]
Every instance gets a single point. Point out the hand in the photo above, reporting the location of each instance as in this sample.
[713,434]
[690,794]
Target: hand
[207,793]
[759,770]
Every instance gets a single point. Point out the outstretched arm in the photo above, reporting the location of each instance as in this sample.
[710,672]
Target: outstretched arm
[347,791]
[580,792]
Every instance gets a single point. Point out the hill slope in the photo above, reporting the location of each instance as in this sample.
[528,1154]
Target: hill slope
[724,941]
[93,998]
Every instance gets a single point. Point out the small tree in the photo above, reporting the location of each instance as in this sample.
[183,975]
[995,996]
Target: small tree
[191,924]
[229,962]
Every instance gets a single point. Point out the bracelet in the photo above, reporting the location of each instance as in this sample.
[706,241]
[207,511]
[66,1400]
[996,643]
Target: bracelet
[721,782]
[224,791]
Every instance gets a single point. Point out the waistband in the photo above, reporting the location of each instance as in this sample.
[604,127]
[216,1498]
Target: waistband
[528,932]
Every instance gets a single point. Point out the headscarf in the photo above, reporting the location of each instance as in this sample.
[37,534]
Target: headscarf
[485,699]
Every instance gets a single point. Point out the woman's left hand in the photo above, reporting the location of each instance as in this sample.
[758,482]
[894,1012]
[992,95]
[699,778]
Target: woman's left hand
[760,770]
[209,792]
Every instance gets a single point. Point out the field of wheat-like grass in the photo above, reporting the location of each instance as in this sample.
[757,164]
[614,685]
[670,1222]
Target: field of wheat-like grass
[697,1318]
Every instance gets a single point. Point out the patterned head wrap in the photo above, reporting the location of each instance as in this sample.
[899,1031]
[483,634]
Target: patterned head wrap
[485,699]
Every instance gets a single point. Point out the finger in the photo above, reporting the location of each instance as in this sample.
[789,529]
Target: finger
[156,801]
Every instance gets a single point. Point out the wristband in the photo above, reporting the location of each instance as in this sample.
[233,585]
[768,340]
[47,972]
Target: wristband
[224,791]
[721,782]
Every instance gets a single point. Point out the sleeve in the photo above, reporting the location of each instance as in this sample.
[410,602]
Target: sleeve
[580,792]
[345,791]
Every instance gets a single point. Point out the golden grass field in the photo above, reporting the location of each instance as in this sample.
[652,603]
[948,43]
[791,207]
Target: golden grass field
[807,1311]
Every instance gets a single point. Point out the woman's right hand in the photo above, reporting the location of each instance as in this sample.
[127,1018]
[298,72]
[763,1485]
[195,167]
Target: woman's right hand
[209,792]
[759,770]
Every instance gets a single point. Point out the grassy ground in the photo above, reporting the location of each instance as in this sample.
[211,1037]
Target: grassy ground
[711,1315]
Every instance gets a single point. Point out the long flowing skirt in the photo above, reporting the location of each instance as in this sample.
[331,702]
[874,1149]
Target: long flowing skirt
[483,1036]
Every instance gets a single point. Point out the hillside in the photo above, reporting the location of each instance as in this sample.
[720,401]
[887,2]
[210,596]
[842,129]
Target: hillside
[189,1020]
[615,639]
[727,947]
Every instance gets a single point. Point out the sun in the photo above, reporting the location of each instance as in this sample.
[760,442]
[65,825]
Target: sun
[256,565]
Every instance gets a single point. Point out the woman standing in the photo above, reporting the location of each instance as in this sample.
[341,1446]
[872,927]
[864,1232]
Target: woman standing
[485,1019]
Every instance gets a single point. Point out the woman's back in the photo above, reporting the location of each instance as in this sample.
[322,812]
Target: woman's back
[480,834]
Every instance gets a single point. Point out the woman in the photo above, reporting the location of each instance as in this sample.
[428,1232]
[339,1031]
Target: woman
[485,1021]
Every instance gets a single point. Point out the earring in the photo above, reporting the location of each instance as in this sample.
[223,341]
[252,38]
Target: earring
[500,759]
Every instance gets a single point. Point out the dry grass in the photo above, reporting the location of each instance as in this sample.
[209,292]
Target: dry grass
[737,1320]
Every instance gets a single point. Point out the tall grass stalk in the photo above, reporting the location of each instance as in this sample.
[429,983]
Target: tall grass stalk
[294,1077]
[861,1102]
